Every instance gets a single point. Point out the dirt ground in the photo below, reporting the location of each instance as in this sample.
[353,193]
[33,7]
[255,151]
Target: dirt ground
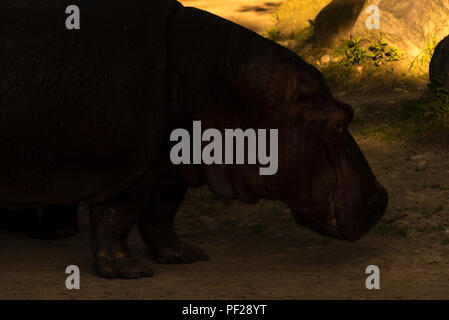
[256,15]
[257,251]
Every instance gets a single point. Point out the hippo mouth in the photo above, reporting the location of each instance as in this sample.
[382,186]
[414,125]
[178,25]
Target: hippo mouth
[344,227]
[329,227]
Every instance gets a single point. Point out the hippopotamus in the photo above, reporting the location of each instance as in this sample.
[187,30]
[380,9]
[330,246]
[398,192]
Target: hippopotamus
[438,67]
[86,116]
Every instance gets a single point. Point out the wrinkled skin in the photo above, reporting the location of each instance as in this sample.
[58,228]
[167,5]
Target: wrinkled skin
[95,109]
[323,176]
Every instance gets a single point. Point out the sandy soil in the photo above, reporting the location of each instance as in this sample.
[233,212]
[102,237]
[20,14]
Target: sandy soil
[257,252]
[256,15]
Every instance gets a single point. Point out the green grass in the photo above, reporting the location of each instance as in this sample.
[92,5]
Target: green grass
[294,15]
[273,34]
[230,224]
[422,118]
[440,233]
[388,226]
[378,52]
[204,200]
[306,35]
[381,52]
[422,60]
[258,228]
[354,53]
[438,208]
[431,186]
[303,36]
[351,54]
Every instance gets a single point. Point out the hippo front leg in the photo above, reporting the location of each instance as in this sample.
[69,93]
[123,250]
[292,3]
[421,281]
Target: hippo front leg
[111,223]
[156,226]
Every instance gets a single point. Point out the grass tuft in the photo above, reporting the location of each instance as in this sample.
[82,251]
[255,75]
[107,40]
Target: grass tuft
[424,118]
[422,60]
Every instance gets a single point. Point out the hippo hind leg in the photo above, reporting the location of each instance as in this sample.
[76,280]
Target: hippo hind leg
[111,223]
[156,225]
[55,222]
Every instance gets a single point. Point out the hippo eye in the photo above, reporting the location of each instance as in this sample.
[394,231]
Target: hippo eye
[339,126]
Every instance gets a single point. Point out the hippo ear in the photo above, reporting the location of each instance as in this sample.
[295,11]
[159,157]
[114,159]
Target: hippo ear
[291,88]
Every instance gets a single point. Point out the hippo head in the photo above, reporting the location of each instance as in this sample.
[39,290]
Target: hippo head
[321,173]
[323,176]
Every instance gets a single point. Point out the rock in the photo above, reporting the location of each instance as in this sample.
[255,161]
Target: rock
[335,22]
[293,15]
[421,166]
[335,59]
[209,222]
[408,25]
[434,224]
[439,65]
[397,89]
[310,59]
[325,59]
[416,157]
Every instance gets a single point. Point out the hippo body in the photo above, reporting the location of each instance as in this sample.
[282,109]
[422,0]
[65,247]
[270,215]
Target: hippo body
[86,115]
[82,97]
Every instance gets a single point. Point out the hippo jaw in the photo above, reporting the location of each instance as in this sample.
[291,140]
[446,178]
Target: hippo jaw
[360,200]
[270,87]
[341,225]
[350,200]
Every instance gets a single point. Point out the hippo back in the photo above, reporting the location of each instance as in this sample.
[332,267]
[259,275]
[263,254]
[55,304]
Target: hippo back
[83,112]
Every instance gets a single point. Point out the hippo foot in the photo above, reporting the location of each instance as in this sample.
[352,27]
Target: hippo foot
[119,265]
[176,251]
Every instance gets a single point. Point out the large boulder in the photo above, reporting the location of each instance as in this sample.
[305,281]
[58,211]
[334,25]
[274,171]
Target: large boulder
[439,66]
[336,21]
[409,25]
[294,15]
[413,26]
